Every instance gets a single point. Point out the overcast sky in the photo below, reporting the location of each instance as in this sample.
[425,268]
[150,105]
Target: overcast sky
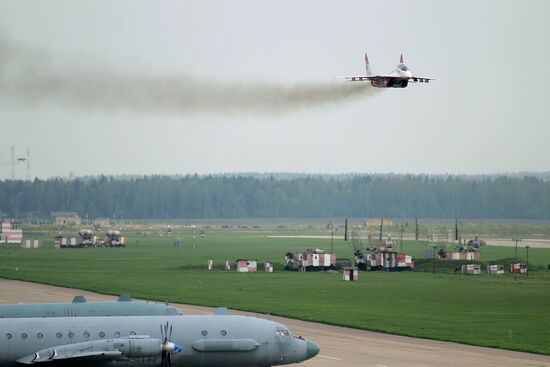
[161,87]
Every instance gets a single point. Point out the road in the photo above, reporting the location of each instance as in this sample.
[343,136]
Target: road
[339,346]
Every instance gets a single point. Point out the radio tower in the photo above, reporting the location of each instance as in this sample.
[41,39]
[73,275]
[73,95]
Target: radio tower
[28,164]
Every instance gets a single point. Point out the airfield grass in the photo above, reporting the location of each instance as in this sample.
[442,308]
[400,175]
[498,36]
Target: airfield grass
[494,311]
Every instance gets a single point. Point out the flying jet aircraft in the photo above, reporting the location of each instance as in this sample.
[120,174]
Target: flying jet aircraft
[400,77]
[79,307]
[156,341]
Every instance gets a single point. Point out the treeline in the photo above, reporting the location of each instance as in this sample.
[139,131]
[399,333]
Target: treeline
[395,196]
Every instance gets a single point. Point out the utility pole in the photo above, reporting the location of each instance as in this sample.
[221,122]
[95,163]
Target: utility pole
[456,229]
[346,230]
[381,229]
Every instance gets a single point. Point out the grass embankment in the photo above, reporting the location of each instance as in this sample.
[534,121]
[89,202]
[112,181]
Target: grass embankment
[482,310]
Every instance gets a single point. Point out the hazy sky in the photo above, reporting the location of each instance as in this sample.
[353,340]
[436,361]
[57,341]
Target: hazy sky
[142,87]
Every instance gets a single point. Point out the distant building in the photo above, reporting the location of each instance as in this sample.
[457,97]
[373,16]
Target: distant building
[102,222]
[376,222]
[66,218]
[10,232]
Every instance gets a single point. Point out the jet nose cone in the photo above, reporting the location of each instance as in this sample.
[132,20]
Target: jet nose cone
[312,349]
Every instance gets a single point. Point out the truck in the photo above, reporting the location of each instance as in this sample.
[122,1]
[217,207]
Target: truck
[379,255]
[115,239]
[311,260]
[87,238]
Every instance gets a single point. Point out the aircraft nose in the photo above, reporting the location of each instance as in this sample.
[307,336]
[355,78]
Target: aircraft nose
[312,349]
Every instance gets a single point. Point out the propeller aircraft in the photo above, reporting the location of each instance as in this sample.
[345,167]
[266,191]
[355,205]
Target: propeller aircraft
[156,341]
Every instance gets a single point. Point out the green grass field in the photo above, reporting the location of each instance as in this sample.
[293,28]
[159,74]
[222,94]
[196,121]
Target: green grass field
[481,310]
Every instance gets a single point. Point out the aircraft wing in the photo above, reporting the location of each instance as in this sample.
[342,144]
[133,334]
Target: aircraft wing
[52,356]
[420,79]
[362,78]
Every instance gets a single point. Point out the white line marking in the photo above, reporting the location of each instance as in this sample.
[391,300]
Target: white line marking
[329,357]
[381,365]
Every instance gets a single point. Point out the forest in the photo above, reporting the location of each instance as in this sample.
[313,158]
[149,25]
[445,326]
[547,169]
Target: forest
[249,196]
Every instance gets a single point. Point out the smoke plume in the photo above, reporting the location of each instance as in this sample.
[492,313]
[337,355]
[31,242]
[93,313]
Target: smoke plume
[25,77]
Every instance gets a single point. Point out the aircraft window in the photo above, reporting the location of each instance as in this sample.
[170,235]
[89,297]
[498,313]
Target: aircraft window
[86,334]
[223,333]
[404,68]
[8,336]
[24,336]
[286,333]
[204,333]
[117,334]
[71,334]
[132,333]
[58,335]
[101,334]
[39,336]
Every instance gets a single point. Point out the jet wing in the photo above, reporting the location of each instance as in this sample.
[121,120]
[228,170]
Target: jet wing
[420,79]
[362,78]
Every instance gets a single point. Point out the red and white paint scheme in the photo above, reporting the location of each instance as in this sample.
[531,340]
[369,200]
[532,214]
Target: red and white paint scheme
[471,269]
[388,260]
[247,266]
[10,232]
[518,268]
[400,77]
[351,274]
[496,269]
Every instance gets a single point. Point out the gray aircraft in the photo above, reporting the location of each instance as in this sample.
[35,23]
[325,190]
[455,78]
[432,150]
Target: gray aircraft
[190,341]
[79,307]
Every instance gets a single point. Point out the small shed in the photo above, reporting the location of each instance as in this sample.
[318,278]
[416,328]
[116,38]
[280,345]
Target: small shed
[31,244]
[495,269]
[268,267]
[351,273]
[247,266]
[471,269]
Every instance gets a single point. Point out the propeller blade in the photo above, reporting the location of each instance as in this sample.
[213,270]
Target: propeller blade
[163,358]
[169,360]
[170,338]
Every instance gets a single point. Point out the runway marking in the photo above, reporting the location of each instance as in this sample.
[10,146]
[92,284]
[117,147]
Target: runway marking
[329,357]
[381,365]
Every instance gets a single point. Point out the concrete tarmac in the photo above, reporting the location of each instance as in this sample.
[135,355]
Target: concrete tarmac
[340,347]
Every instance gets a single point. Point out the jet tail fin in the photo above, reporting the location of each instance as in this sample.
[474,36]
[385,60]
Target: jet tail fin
[367,65]
[401,59]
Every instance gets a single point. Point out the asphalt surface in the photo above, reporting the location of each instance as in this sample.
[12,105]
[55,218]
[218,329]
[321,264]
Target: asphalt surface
[339,346]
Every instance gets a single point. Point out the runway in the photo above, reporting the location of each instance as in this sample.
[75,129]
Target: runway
[339,346]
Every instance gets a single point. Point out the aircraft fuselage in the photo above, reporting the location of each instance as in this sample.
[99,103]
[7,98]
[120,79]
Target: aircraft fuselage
[136,341]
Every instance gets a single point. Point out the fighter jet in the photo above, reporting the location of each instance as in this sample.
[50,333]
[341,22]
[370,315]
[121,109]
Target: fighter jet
[79,307]
[400,77]
[156,341]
